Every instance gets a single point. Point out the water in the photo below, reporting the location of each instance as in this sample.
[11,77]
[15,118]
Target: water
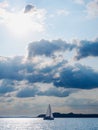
[56,124]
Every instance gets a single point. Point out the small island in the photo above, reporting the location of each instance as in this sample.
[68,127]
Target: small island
[70,115]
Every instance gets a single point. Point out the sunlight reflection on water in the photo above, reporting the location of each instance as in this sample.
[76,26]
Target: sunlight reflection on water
[40,124]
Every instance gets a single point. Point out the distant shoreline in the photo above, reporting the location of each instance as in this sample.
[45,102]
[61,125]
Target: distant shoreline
[70,115]
[58,115]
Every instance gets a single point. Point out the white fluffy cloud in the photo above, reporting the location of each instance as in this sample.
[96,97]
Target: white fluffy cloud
[92,8]
[79,1]
[4,4]
[63,12]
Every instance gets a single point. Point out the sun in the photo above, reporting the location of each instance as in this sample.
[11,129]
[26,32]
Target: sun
[18,24]
[21,24]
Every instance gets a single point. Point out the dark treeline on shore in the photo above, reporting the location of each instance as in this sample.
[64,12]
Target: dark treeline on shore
[70,115]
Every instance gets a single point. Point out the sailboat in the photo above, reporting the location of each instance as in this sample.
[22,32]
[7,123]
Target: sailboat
[49,115]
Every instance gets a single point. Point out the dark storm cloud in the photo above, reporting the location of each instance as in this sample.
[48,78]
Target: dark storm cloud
[6,86]
[32,92]
[87,48]
[46,74]
[48,48]
[77,76]
[9,68]
[28,8]
[60,74]
[27,92]
[15,69]
[55,92]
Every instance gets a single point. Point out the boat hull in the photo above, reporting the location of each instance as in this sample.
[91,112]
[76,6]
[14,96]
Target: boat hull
[48,118]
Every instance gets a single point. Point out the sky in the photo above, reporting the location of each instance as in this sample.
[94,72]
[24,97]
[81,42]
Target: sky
[48,54]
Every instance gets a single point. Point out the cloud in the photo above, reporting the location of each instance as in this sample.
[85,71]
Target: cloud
[42,67]
[57,92]
[9,68]
[27,92]
[4,4]
[46,73]
[84,100]
[60,73]
[77,76]
[87,48]
[6,86]
[79,1]
[48,48]
[43,90]
[63,12]
[29,8]
[92,9]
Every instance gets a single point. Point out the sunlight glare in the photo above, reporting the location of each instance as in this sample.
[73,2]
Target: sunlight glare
[21,24]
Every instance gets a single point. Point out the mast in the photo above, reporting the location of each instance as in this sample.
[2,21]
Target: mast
[49,112]
[49,115]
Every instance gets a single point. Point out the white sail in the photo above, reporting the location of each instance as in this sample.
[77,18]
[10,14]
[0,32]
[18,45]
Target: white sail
[49,114]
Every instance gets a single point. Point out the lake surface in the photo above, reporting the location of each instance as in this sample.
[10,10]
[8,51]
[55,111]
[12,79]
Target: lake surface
[56,124]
